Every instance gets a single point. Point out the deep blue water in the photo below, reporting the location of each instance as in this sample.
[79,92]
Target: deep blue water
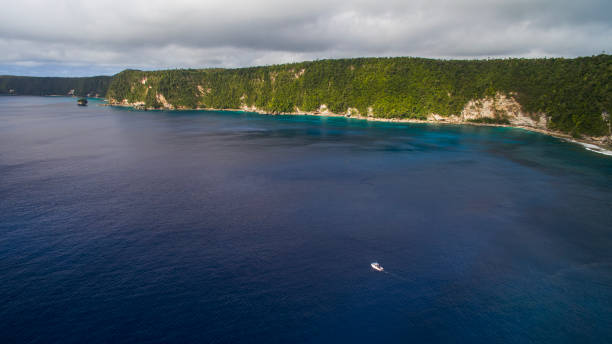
[121,226]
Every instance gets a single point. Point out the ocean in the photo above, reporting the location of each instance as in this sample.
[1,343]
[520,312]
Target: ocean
[121,226]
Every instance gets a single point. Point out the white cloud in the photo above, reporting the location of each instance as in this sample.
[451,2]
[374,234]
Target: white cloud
[108,36]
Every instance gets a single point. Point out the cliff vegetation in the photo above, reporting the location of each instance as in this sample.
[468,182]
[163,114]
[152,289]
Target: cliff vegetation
[574,95]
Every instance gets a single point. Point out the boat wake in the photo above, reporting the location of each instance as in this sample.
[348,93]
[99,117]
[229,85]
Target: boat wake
[396,276]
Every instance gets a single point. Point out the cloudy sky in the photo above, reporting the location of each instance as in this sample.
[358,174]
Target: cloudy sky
[65,38]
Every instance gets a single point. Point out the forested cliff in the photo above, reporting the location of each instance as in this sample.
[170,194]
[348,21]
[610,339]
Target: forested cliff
[572,96]
[566,95]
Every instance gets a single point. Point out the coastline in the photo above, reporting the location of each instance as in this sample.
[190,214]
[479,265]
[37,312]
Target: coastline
[50,96]
[591,145]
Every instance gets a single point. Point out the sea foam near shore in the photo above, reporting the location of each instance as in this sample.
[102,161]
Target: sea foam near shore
[593,148]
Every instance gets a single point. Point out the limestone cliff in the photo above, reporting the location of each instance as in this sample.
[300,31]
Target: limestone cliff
[568,97]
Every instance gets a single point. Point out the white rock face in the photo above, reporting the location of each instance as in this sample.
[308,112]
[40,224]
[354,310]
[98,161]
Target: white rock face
[352,112]
[300,73]
[539,120]
[434,117]
[502,107]
[323,109]
[160,98]
[203,91]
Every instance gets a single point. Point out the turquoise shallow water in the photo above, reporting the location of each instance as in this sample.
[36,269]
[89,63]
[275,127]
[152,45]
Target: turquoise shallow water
[157,227]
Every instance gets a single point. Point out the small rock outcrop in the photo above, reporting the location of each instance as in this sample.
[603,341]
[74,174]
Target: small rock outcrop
[162,100]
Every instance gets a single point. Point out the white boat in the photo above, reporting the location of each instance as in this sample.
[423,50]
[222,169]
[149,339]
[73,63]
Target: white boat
[376,266]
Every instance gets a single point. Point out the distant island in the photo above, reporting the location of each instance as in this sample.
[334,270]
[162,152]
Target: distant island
[564,97]
[95,86]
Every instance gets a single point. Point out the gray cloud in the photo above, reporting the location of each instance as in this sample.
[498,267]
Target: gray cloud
[73,37]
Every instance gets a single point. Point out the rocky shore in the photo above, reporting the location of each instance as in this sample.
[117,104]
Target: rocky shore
[500,111]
